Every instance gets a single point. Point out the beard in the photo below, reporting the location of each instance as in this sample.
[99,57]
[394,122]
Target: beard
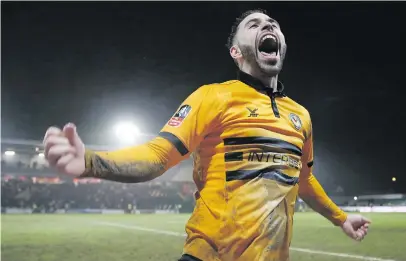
[263,68]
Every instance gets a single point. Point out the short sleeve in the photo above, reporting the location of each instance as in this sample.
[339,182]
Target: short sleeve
[196,117]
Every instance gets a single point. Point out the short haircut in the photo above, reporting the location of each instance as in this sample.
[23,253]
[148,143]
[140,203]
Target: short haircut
[237,22]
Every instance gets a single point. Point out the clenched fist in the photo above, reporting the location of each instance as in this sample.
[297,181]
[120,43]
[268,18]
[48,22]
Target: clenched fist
[356,227]
[64,150]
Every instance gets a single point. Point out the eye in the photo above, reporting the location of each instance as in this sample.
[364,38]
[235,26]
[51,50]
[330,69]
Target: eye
[253,26]
[275,26]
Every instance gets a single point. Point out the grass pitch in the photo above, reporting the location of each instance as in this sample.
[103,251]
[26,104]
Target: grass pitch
[160,237]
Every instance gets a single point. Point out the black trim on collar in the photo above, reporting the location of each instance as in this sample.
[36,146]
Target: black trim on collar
[257,84]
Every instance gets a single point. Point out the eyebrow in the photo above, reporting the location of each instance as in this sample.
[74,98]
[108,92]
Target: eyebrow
[257,20]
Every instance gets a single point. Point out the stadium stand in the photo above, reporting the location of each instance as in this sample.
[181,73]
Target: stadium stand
[29,185]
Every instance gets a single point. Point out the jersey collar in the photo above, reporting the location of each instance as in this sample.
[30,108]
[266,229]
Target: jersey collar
[257,84]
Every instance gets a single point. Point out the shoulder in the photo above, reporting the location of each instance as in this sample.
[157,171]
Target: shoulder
[216,92]
[221,87]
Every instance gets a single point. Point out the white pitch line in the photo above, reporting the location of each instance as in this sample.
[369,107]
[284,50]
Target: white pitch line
[164,232]
[304,250]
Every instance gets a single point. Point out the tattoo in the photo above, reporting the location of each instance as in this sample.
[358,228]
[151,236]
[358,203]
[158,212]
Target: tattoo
[128,172]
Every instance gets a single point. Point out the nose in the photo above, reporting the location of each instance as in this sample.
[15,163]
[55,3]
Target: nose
[267,27]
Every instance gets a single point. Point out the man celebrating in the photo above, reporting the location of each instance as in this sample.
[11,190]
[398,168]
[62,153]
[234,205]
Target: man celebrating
[252,144]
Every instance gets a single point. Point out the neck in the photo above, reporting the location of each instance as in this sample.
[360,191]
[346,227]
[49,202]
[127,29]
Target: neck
[270,81]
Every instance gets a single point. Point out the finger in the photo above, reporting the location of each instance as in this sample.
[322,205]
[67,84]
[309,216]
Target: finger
[360,235]
[63,161]
[364,230]
[70,132]
[57,151]
[365,227]
[53,141]
[52,131]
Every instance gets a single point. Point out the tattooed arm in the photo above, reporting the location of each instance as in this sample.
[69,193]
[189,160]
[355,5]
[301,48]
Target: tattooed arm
[197,116]
[132,165]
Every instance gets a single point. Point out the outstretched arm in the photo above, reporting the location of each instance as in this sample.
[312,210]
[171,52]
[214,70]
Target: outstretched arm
[195,118]
[134,164]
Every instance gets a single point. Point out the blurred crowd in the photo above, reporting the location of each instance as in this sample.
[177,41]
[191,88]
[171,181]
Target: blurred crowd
[52,196]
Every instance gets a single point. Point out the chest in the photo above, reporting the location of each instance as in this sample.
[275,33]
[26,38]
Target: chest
[264,116]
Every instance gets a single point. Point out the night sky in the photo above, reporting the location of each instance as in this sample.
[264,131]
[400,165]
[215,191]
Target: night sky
[97,63]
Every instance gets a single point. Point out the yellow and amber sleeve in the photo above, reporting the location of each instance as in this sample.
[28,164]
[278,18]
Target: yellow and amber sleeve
[194,119]
[313,193]
[133,164]
[198,115]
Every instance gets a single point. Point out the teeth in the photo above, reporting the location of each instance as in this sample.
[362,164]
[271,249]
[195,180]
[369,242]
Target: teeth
[268,37]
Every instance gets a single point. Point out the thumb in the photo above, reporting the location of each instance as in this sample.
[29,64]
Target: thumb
[69,130]
[365,220]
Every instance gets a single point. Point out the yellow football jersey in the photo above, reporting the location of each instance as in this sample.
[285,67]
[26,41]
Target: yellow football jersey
[253,155]
[249,147]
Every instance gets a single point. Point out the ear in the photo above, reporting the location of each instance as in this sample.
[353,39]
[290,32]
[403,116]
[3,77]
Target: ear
[235,52]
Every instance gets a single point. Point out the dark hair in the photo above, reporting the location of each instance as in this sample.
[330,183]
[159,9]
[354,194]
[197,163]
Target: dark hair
[237,22]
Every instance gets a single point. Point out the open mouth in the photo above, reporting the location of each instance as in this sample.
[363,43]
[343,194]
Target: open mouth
[268,45]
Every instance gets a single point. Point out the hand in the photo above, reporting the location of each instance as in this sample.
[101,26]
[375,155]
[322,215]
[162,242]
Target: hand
[64,150]
[356,227]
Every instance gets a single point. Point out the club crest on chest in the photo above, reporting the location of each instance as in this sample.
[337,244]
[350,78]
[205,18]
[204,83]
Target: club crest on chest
[297,123]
